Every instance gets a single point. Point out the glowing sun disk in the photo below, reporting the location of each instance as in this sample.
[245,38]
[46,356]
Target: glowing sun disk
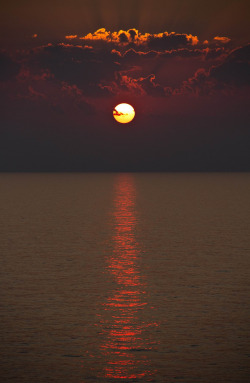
[124,113]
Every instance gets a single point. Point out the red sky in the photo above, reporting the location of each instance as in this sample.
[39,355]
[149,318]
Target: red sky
[184,66]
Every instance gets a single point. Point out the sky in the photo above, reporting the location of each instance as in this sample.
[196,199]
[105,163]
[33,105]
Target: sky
[183,65]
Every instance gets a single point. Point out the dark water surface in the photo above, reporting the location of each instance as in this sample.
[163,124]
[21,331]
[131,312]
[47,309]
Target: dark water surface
[125,278]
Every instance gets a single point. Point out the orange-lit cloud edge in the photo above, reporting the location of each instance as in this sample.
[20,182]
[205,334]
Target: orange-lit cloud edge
[134,36]
[131,35]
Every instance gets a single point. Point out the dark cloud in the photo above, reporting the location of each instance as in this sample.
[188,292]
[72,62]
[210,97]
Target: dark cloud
[198,84]
[123,38]
[76,65]
[133,33]
[150,86]
[125,83]
[235,70]
[167,41]
[8,67]
[215,53]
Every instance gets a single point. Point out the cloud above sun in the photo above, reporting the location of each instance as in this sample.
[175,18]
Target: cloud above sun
[162,40]
[125,62]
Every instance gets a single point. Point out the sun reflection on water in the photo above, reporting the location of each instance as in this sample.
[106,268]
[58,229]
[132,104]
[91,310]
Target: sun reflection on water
[127,345]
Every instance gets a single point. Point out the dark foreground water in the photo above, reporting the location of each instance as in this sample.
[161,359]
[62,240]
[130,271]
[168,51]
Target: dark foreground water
[125,278]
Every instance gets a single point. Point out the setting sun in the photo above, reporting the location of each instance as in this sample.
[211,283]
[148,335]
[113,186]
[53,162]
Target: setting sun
[124,113]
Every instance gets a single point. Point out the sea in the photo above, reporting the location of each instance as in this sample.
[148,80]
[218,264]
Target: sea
[125,277]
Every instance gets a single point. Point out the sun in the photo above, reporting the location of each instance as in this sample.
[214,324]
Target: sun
[124,113]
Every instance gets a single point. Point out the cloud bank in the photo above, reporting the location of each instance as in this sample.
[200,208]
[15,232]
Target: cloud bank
[112,64]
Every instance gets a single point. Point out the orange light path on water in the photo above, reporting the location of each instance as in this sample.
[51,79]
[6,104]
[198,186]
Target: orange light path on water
[126,346]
